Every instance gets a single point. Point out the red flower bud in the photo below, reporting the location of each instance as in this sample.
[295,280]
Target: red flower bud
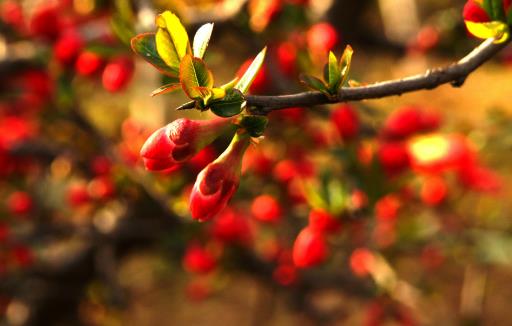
[287,57]
[321,38]
[322,221]
[309,249]
[266,209]
[217,183]
[285,274]
[67,48]
[231,227]
[433,191]
[88,63]
[180,140]
[346,121]
[198,260]
[45,22]
[19,203]
[402,123]
[394,157]
[361,261]
[474,12]
[386,208]
[117,74]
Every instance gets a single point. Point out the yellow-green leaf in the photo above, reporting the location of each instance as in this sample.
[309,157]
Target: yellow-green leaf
[230,85]
[245,82]
[194,74]
[495,29]
[166,89]
[201,40]
[333,73]
[346,60]
[314,83]
[171,39]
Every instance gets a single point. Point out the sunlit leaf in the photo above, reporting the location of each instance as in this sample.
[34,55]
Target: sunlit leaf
[245,82]
[171,38]
[144,45]
[346,60]
[232,104]
[333,73]
[201,40]
[495,29]
[230,85]
[194,74]
[166,89]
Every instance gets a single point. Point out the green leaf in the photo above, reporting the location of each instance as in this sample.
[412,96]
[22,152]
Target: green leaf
[245,82]
[345,62]
[509,16]
[195,77]
[171,38]
[122,28]
[230,85]
[255,125]
[144,45]
[201,40]
[166,89]
[495,29]
[232,104]
[314,83]
[334,76]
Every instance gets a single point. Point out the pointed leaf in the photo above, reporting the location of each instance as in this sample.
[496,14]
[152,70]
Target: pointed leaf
[144,45]
[245,82]
[232,104]
[201,40]
[218,93]
[177,32]
[345,62]
[194,74]
[166,89]
[314,83]
[334,75]
[495,29]
[230,85]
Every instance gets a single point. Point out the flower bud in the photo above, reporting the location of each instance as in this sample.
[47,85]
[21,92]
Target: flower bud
[309,249]
[217,183]
[180,140]
[474,12]
[324,222]
[117,74]
[346,121]
[266,209]
[198,260]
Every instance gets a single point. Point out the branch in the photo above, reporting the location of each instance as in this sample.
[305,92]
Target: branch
[455,74]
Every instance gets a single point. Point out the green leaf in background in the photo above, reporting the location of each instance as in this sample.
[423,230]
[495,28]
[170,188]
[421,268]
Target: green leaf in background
[166,89]
[122,29]
[495,29]
[230,85]
[231,104]
[195,77]
[314,83]
[144,45]
[333,73]
[497,11]
[245,82]
[172,42]
[201,40]
[345,62]
[509,16]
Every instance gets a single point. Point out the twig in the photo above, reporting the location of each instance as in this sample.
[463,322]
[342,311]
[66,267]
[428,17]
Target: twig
[455,74]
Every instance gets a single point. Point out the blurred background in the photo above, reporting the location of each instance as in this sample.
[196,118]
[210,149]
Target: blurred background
[415,188]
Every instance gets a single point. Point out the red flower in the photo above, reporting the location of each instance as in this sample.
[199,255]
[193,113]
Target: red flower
[198,260]
[180,140]
[309,249]
[266,209]
[217,183]
[322,221]
[346,121]
[403,122]
[231,227]
[433,191]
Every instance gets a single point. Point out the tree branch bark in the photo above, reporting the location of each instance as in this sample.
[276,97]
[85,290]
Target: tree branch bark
[455,74]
